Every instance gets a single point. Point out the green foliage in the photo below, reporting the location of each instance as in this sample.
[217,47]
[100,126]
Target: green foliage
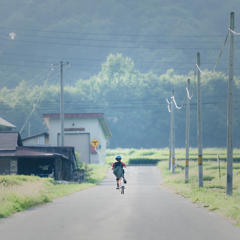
[143,161]
[131,151]
[18,193]
[94,174]
[132,102]
[126,70]
[80,165]
[13,180]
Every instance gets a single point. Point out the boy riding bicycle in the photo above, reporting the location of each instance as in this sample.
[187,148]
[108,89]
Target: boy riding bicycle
[120,165]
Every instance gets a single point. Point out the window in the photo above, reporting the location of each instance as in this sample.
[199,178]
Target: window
[41,140]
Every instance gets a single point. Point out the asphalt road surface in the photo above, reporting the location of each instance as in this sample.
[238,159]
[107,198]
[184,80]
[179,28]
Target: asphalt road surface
[145,212]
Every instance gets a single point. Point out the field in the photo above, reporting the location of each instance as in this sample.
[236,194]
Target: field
[209,154]
[18,193]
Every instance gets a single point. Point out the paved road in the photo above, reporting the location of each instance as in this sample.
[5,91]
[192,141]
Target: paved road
[145,211]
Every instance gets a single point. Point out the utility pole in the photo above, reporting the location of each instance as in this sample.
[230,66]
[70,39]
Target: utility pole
[187,134]
[199,126]
[230,110]
[173,133]
[170,155]
[29,130]
[61,105]
[170,140]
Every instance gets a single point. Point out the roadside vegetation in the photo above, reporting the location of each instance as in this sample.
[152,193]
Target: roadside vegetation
[213,194]
[18,193]
[143,155]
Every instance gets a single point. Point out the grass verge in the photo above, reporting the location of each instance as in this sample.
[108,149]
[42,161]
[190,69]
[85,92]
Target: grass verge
[18,193]
[213,194]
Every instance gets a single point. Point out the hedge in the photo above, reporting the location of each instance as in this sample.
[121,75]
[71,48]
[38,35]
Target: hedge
[143,160]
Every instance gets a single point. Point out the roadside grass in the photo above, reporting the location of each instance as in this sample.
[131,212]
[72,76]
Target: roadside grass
[213,194]
[18,193]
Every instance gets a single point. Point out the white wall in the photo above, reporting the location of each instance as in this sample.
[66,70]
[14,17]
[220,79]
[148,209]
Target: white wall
[91,126]
[102,140]
[34,141]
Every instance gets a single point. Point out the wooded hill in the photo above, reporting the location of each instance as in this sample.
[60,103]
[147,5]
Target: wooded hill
[134,104]
[158,35]
[126,56]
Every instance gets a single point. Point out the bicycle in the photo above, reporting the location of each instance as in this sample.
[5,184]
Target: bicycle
[121,186]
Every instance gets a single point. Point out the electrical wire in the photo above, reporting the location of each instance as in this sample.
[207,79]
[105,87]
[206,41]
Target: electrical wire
[204,73]
[173,98]
[106,40]
[100,46]
[103,34]
[233,31]
[85,59]
[35,105]
[195,80]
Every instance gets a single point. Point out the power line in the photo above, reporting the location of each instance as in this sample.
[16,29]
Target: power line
[111,40]
[100,46]
[104,34]
[156,62]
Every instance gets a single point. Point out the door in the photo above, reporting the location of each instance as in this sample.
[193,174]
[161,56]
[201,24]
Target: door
[4,166]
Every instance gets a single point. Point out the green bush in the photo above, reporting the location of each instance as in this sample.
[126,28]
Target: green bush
[143,161]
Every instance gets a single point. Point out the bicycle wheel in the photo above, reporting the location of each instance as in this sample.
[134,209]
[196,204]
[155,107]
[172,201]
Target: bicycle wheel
[122,192]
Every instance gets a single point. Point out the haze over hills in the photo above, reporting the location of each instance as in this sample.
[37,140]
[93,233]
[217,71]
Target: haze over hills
[157,35]
[121,53]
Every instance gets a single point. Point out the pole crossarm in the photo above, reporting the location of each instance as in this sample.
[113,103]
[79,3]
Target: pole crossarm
[205,73]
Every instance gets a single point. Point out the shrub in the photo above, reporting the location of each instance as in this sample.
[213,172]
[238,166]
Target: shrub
[143,161]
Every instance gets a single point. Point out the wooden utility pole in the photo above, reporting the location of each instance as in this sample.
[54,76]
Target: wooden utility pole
[61,105]
[230,110]
[199,125]
[187,134]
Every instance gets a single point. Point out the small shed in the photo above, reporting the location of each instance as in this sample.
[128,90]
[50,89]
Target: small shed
[80,129]
[16,159]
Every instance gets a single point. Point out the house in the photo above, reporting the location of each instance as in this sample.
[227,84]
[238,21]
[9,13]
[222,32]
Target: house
[41,139]
[17,159]
[5,126]
[80,129]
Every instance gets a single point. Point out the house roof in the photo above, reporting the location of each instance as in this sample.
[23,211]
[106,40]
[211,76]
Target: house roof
[6,124]
[23,152]
[99,116]
[36,135]
[10,140]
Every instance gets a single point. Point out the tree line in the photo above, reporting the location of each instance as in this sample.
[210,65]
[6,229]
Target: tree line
[133,103]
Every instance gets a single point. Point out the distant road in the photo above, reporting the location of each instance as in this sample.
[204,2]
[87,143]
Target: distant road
[145,212]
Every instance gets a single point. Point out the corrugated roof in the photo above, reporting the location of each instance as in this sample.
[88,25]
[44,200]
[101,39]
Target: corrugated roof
[6,124]
[36,135]
[27,152]
[10,140]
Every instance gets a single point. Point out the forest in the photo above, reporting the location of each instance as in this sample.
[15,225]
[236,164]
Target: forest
[125,58]
[134,104]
